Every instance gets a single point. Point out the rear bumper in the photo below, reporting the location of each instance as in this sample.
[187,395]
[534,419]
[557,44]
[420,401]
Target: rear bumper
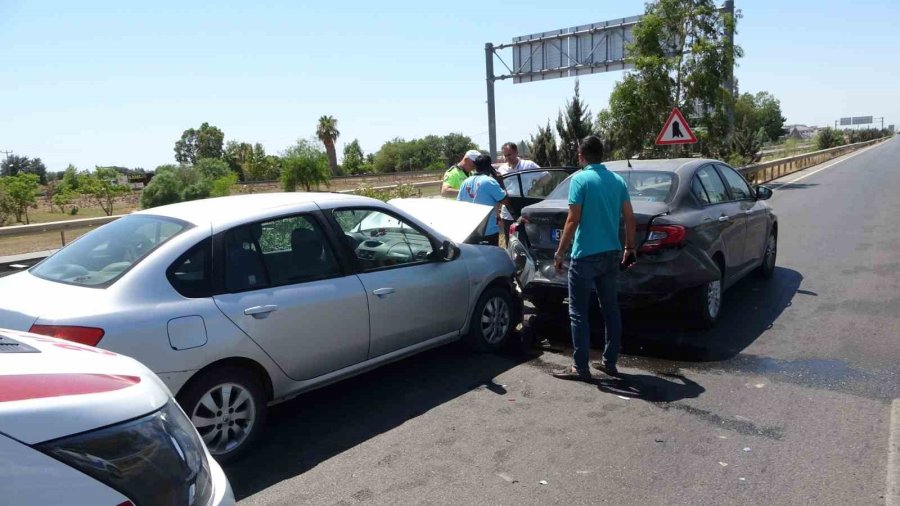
[652,279]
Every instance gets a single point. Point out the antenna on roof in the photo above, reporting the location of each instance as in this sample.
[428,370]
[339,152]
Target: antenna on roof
[628,161]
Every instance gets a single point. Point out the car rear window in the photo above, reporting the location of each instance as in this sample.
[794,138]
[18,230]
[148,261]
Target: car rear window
[99,258]
[643,186]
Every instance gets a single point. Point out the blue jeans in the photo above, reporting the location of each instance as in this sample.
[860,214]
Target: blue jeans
[595,271]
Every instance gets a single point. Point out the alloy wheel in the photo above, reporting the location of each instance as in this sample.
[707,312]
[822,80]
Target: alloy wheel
[771,251]
[714,298]
[224,417]
[495,320]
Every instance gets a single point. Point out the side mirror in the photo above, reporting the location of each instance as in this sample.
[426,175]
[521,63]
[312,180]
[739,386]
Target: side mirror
[449,251]
[763,193]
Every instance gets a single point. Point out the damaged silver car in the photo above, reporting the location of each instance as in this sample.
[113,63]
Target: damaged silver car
[700,228]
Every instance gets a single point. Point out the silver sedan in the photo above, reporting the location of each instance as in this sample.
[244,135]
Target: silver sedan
[240,302]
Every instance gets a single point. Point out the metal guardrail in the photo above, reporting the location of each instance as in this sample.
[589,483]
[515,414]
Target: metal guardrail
[360,178]
[768,171]
[756,174]
[61,226]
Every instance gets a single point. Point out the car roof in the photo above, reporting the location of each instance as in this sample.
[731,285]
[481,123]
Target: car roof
[677,165]
[235,208]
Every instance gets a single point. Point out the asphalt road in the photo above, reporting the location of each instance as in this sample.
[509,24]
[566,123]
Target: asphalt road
[787,401]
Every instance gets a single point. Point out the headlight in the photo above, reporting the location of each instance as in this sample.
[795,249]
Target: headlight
[154,460]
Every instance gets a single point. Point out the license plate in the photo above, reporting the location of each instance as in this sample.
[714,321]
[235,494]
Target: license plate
[556,234]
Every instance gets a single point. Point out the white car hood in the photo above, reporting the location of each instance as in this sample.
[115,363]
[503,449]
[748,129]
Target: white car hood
[50,388]
[456,220]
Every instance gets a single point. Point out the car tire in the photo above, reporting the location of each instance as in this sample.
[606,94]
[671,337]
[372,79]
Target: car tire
[767,269]
[705,304]
[227,437]
[492,322]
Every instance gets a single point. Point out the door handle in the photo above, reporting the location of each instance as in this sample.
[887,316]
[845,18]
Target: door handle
[260,312]
[724,218]
[381,292]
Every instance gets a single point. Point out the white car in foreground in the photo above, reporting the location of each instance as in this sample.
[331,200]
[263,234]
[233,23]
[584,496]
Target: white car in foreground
[238,302]
[85,426]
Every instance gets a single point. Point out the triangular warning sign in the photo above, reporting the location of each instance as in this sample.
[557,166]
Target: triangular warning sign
[676,130]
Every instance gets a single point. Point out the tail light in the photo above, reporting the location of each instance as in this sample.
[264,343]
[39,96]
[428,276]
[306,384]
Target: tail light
[663,236]
[82,335]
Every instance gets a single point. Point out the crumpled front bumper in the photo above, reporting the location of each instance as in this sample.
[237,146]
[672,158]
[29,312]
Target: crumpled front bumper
[651,279]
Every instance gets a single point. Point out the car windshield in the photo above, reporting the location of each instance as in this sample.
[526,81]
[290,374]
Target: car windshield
[99,258]
[643,186]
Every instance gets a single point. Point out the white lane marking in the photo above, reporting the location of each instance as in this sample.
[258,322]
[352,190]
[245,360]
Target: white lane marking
[892,494]
[832,164]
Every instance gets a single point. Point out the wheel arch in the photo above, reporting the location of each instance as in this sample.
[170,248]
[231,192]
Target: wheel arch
[250,365]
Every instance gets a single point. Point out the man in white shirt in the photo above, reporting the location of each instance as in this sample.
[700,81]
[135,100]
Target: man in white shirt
[513,164]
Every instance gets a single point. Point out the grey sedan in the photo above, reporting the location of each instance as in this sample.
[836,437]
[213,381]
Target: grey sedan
[700,228]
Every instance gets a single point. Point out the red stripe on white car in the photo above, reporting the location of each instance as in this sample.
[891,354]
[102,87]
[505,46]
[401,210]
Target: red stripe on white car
[21,387]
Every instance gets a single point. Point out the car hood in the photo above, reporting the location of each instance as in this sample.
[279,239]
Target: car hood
[50,388]
[456,220]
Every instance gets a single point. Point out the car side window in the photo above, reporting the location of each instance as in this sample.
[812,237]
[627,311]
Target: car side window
[244,269]
[381,240]
[740,190]
[698,190]
[295,250]
[191,274]
[278,252]
[511,185]
[712,183]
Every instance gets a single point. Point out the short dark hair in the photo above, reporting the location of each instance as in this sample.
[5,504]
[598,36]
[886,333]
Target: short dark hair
[512,146]
[591,148]
[483,165]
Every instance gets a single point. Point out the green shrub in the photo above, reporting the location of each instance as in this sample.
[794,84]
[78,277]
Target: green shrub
[829,138]
[403,191]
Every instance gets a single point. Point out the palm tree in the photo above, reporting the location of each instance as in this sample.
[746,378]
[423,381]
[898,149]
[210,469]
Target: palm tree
[327,132]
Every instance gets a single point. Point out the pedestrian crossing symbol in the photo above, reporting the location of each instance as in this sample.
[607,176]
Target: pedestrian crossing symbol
[676,130]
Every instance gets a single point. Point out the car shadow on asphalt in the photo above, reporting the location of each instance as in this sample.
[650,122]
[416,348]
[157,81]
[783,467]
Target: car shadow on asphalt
[304,432]
[749,309]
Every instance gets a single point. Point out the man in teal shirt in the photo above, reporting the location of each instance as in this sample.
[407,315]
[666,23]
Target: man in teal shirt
[598,199]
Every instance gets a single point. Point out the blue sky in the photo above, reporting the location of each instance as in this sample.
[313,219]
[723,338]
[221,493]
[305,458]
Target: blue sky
[115,83]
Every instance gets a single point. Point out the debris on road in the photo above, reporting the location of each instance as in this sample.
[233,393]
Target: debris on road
[507,478]
[623,397]
[543,482]
[583,472]
[747,449]
[723,464]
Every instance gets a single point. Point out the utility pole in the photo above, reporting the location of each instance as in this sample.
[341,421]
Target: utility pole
[492,120]
[7,153]
[729,82]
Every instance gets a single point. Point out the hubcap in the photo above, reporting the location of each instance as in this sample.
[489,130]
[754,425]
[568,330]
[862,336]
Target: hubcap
[224,417]
[771,250]
[714,297]
[495,320]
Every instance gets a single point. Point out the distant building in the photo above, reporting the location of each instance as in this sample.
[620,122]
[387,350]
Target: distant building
[801,132]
